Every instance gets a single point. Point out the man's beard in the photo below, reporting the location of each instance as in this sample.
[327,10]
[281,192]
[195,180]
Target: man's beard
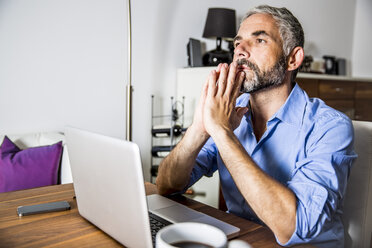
[263,79]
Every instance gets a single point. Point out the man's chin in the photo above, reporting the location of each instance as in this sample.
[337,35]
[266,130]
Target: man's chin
[247,86]
[254,88]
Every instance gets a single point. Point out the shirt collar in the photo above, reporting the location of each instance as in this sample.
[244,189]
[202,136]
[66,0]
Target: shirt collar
[292,110]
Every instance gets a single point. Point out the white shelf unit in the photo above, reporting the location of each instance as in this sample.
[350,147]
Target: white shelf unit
[166,132]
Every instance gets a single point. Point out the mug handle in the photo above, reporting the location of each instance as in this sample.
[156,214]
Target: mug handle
[238,244]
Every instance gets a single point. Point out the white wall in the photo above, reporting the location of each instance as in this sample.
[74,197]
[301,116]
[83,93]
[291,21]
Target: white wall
[64,62]
[362,52]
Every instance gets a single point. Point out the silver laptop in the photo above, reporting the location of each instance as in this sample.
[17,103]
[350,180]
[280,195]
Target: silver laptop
[110,191]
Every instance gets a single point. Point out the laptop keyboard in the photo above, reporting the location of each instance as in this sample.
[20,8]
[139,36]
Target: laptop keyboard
[156,223]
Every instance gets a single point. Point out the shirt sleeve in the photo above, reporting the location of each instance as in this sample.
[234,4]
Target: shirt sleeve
[205,164]
[319,180]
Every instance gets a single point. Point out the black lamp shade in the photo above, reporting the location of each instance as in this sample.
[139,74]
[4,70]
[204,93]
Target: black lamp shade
[220,23]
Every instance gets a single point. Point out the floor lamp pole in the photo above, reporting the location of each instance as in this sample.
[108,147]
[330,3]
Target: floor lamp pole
[129,85]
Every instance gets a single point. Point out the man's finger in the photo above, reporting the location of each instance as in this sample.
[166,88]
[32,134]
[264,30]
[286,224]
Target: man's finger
[219,67]
[222,80]
[240,111]
[231,79]
[238,84]
[212,88]
[204,90]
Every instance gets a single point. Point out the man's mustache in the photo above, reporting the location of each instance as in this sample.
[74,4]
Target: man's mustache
[248,64]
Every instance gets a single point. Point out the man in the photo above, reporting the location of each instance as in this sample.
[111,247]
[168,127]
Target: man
[283,158]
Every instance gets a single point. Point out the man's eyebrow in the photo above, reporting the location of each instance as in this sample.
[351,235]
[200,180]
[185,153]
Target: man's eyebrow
[260,32]
[255,33]
[237,38]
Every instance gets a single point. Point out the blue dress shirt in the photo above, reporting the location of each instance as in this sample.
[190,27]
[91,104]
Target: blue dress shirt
[308,147]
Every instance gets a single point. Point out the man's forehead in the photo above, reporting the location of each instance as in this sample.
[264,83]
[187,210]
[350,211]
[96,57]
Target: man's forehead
[258,24]
[261,18]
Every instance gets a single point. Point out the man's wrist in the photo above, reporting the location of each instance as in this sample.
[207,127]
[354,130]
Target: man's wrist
[220,134]
[197,133]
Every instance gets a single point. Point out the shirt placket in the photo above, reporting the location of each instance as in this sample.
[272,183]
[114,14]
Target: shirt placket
[269,129]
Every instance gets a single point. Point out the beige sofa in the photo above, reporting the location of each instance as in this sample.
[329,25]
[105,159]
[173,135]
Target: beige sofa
[358,199]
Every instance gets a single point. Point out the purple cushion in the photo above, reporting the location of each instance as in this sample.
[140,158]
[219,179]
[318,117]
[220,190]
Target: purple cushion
[29,168]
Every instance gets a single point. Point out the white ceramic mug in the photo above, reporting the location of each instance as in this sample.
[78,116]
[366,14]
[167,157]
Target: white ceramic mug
[191,234]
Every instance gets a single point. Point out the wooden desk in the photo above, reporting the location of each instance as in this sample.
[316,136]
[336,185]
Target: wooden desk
[69,229]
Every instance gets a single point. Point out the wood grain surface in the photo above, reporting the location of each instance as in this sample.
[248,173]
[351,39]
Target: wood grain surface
[69,229]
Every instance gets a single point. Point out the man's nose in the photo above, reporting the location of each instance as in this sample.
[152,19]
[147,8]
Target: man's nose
[242,51]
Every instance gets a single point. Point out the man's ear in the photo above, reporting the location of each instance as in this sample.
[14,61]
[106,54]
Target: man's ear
[295,58]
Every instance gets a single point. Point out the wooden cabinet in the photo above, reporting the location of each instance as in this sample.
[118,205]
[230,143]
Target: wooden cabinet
[332,89]
[351,96]
[310,86]
[338,95]
[363,110]
[363,101]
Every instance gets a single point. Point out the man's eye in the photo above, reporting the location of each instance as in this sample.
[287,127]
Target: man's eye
[261,41]
[236,44]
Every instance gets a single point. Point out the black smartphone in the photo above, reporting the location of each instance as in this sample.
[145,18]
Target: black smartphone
[43,208]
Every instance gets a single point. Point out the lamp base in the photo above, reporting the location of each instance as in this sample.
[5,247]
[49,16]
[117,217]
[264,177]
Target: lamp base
[216,57]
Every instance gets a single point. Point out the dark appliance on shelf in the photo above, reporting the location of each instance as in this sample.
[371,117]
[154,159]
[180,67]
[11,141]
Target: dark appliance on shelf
[194,58]
[330,64]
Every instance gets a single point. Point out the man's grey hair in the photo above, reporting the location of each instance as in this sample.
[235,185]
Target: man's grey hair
[290,28]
